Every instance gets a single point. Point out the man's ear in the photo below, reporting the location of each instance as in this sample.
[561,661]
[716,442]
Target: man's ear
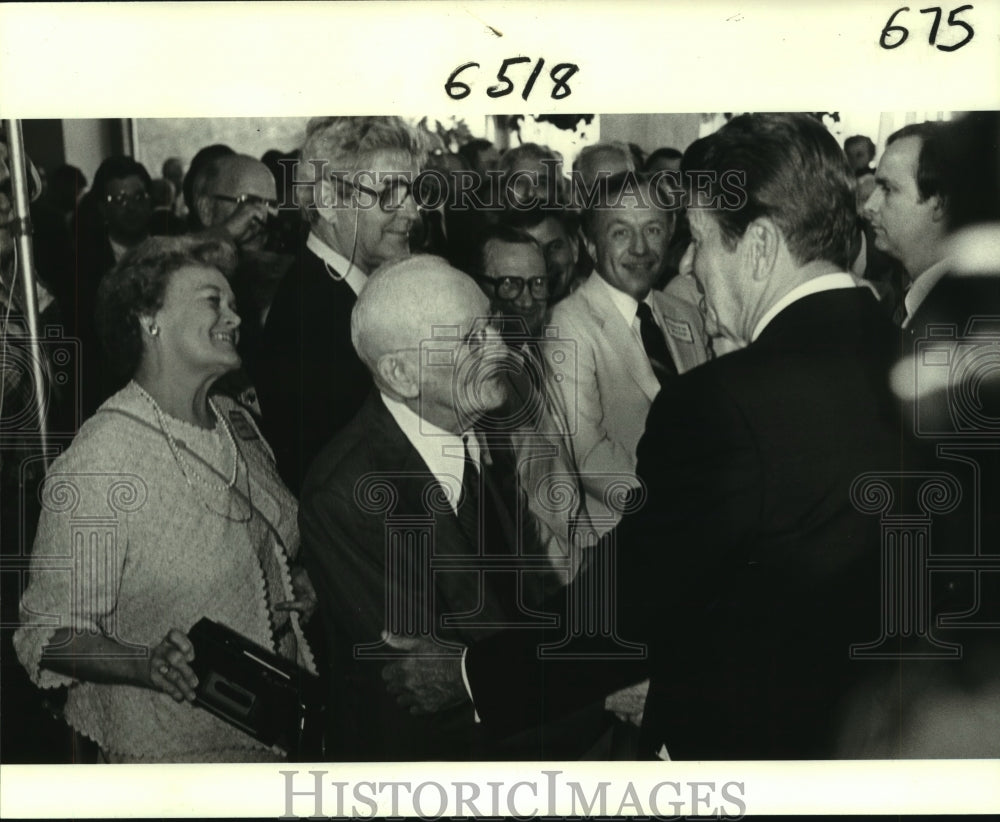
[398,372]
[940,212]
[147,325]
[591,247]
[203,209]
[761,243]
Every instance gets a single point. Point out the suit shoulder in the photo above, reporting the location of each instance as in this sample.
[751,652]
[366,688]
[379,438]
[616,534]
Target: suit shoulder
[574,311]
[339,463]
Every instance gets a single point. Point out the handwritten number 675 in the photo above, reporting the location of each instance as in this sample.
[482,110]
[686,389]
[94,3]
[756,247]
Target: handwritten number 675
[892,30]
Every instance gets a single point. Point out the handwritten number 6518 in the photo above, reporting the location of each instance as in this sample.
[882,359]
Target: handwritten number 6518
[559,74]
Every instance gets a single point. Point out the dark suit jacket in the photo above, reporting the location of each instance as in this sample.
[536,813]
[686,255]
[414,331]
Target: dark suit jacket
[961,309]
[748,572]
[309,379]
[369,472]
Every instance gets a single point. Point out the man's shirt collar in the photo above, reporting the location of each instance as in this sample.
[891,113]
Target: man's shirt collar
[825,282]
[441,451]
[922,286]
[340,265]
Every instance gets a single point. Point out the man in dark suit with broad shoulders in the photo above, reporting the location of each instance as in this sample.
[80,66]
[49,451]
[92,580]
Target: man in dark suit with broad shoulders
[353,183]
[749,572]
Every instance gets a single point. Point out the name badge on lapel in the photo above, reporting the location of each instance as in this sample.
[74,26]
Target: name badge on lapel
[242,426]
[679,329]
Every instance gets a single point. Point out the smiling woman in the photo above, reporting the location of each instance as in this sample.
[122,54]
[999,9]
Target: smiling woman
[200,524]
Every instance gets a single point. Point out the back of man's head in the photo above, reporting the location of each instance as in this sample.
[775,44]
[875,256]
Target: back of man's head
[786,167]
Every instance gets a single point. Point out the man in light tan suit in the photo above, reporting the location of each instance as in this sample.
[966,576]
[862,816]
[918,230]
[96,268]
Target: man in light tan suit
[630,340]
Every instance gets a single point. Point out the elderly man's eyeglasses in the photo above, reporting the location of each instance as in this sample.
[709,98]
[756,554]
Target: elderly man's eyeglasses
[248,199]
[136,197]
[391,197]
[510,288]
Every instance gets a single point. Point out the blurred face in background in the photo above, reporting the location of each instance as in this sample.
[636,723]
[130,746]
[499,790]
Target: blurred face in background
[858,155]
[561,252]
[127,209]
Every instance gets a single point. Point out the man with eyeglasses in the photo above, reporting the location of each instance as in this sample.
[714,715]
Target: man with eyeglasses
[415,453]
[353,186]
[234,199]
[557,234]
[238,196]
[511,271]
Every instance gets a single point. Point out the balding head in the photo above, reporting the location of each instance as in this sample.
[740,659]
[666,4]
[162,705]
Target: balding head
[227,180]
[420,326]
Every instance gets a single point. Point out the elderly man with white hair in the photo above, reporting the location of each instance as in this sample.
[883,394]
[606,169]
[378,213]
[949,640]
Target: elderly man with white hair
[413,479]
[353,184]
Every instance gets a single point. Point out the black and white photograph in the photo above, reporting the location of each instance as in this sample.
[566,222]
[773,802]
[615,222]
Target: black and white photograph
[365,415]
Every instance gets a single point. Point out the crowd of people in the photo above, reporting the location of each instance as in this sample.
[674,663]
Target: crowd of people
[521,463]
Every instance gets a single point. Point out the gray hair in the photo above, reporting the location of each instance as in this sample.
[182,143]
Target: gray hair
[347,144]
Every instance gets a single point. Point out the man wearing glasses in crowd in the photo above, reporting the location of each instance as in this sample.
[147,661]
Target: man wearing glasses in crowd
[238,196]
[353,186]
[511,271]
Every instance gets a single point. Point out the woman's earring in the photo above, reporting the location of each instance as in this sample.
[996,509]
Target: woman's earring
[154,330]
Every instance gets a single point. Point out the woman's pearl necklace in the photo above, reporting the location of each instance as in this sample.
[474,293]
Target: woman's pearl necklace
[175,450]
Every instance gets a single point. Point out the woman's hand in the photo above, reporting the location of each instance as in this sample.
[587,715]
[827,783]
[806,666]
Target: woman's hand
[305,595]
[169,670]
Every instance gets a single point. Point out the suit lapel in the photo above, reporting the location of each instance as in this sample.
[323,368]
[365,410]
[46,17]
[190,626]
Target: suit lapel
[619,335]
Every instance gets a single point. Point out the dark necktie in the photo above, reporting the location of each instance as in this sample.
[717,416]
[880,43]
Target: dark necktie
[468,502]
[655,345]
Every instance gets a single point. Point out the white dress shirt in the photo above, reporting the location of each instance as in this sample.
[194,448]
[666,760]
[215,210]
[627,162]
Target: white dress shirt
[442,452]
[627,305]
[825,282]
[355,277]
